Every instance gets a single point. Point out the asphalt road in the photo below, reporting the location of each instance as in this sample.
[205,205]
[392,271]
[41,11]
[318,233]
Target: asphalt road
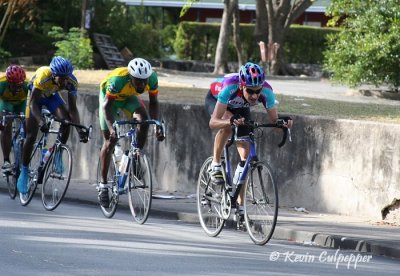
[76,239]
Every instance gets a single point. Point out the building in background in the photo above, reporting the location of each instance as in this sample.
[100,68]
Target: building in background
[211,10]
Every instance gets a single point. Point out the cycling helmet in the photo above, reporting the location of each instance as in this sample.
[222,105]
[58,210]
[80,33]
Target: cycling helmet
[61,67]
[139,68]
[15,74]
[251,75]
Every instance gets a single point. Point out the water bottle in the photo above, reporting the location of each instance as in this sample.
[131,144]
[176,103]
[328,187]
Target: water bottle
[46,154]
[118,155]
[124,163]
[45,150]
[238,174]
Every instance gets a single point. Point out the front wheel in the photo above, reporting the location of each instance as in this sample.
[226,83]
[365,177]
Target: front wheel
[140,187]
[13,174]
[112,181]
[56,178]
[261,204]
[34,172]
[209,198]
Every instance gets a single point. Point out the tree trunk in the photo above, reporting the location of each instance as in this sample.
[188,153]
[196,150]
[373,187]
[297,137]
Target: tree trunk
[236,33]
[5,22]
[281,14]
[221,54]
[261,29]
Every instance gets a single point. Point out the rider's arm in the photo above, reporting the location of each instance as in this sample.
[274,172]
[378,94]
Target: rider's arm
[154,106]
[73,110]
[272,114]
[217,120]
[107,109]
[34,107]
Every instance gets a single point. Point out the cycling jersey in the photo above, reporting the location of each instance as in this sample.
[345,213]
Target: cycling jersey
[43,80]
[117,85]
[227,91]
[8,96]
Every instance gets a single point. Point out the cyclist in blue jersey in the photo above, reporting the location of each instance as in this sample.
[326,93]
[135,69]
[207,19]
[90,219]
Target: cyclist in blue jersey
[44,89]
[228,102]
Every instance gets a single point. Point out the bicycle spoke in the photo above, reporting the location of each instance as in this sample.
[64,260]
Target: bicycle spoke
[261,204]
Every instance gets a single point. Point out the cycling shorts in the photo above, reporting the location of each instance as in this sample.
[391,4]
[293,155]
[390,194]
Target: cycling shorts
[52,102]
[128,106]
[243,131]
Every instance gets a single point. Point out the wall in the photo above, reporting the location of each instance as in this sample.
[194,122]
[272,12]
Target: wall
[338,166]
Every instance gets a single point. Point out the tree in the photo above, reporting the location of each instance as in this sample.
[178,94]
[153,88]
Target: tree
[13,7]
[367,48]
[280,15]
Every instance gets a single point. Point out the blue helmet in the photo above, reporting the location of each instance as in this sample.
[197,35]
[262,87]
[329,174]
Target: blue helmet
[251,75]
[61,67]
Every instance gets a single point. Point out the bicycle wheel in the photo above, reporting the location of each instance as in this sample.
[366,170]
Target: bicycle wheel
[12,175]
[209,198]
[112,179]
[56,178]
[33,174]
[140,187]
[261,204]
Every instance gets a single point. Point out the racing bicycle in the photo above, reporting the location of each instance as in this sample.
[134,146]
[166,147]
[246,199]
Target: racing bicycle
[132,175]
[216,202]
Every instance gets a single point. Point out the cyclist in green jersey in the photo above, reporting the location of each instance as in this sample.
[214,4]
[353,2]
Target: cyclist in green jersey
[120,90]
[13,94]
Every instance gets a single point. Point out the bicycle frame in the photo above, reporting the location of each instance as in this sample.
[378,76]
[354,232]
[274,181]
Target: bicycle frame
[134,147]
[228,167]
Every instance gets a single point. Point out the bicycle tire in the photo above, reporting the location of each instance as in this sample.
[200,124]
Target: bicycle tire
[209,202]
[57,175]
[140,187]
[12,176]
[33,175]
[261,203]
[113,194]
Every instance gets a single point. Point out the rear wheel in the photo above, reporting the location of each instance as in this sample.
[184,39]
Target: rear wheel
[140,187]
[209,198]
[261,204]
[56,178]
[112,180]
[33,174]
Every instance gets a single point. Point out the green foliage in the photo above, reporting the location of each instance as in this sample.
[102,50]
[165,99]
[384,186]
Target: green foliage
[198,41]
[303,44]
[4,54]
[74,46]
[367,49]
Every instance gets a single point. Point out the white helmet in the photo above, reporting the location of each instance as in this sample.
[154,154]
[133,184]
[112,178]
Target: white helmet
[139,68]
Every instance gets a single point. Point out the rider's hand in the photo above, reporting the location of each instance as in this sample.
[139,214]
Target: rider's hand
[237,120]
[113,136]
[159,133]
[45,127]
[287,121]
[83,135]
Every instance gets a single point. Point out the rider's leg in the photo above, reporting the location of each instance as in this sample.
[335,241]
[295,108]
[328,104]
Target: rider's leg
[61,112]
[105,155]
[6,141]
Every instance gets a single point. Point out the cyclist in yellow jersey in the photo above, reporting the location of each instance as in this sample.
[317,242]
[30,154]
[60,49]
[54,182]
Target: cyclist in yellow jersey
[44,91]
[13,93]
[120,90]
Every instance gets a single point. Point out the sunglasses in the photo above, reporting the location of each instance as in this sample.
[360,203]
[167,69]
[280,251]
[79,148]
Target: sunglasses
[253,91]
[16,86]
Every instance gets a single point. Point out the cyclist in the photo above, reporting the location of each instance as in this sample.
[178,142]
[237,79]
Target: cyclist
[120,90]
[44,89]
[228,102]
[13,94]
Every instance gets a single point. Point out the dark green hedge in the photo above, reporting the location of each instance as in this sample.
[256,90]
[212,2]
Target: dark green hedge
[197,41]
